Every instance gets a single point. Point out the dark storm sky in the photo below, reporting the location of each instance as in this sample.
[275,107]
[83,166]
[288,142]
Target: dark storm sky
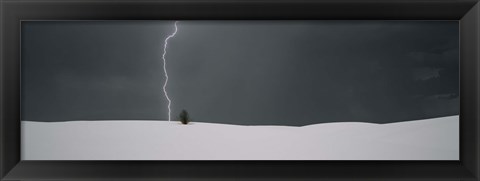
[241,72]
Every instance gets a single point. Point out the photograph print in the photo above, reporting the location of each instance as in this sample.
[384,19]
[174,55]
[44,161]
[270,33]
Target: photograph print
[240,90]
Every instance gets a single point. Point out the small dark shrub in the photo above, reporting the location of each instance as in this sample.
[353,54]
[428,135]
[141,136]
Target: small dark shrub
[184,117]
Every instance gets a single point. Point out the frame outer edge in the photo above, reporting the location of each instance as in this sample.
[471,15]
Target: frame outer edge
[9,136]
[470,65]
[475,170]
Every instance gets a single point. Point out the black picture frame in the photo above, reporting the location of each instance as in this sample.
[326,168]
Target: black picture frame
[12,12]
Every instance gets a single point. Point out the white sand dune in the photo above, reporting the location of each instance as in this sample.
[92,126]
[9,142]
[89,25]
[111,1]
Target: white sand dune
[429,139]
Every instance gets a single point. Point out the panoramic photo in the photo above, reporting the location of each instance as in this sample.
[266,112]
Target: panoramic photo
[240,90]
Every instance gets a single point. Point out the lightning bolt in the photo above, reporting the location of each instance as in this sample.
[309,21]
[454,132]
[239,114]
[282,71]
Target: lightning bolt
[165,69]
